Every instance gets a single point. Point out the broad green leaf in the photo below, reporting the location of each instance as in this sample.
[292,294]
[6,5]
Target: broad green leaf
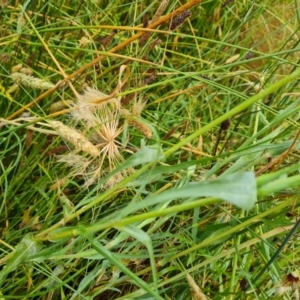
[238,188]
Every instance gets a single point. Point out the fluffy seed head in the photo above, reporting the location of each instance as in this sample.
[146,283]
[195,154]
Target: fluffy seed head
[89,103]
[291,283]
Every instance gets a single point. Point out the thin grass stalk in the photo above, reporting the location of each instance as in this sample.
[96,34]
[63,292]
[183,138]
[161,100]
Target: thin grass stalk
[193,136]
[233,230]
[234,111]
[98,59]
[209,261]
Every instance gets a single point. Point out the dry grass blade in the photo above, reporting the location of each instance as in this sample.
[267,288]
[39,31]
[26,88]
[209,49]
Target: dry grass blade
[144,38]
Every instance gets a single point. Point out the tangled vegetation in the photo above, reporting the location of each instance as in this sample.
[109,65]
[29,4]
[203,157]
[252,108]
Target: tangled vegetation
[149,149]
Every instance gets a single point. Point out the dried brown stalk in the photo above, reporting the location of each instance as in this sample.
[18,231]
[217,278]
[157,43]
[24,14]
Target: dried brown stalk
[197,293]
[144,38]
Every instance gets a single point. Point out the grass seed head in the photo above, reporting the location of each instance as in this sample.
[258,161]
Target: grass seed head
[16,68]
[151,77]
[145,20]
[30,81]
[141,127]
[101,119]
[180,19]
[138,107]
[291,283]
[160,10]
[146,36]
[26,71]
[75,137]
[57,106]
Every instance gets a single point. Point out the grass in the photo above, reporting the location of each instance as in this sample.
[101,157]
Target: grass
[140,160]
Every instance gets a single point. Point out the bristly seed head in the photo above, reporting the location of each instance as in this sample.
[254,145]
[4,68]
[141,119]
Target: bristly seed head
[75,137]
[291,283]
[140,126]
[180,19]
[89,104]
[225,125]
[101,122]
[32,82]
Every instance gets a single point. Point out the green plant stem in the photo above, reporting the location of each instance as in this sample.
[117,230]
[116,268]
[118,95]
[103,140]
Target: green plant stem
[237,109]
[235,229]
[278,251]
[106,195]
[108,255]
[126,221]
[278,185]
